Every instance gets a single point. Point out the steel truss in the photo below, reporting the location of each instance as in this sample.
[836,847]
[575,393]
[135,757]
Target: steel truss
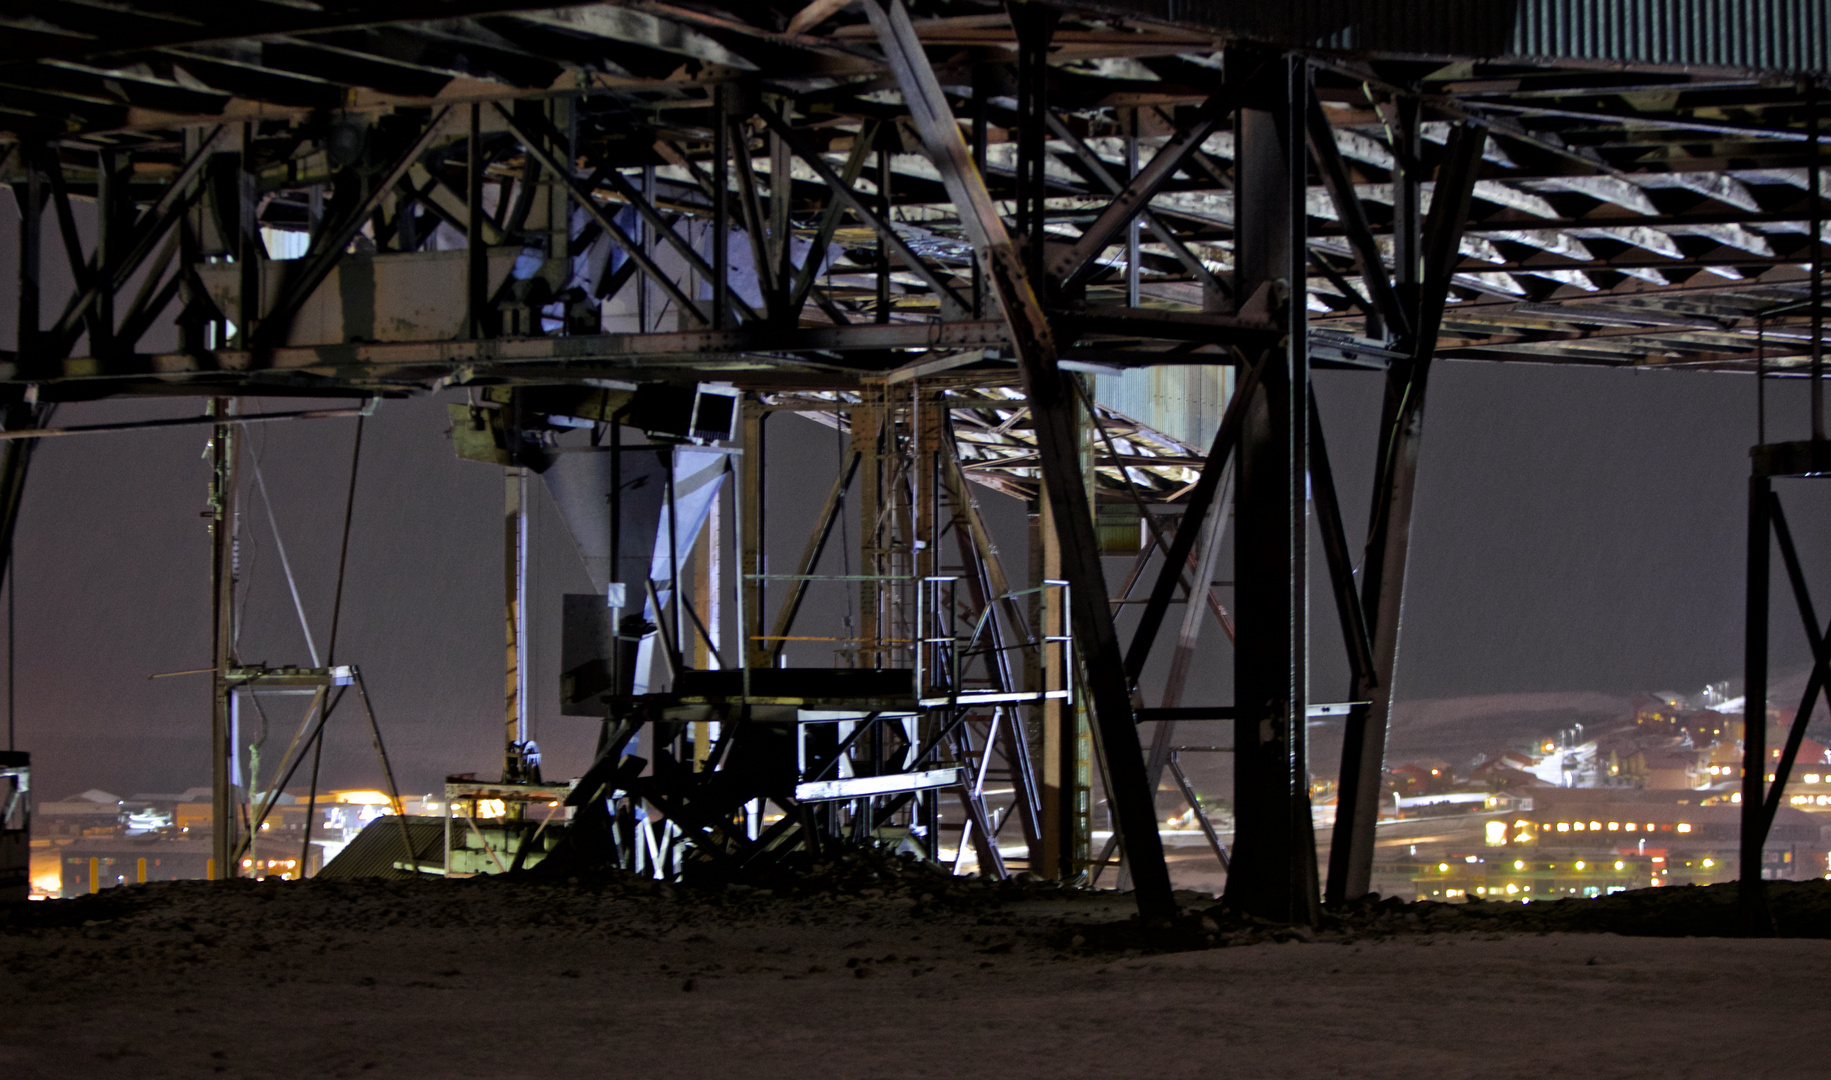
[923,222]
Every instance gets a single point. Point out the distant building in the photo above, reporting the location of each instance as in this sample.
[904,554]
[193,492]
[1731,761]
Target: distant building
[92,813]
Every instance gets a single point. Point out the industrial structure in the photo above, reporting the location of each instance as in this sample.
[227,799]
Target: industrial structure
[980,240]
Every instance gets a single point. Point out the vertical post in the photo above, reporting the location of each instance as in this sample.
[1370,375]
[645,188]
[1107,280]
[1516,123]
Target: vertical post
[721,204]
[1818,264]
[107,216]
[1273,869]
[1063,793]
[753,503]
[982,77]
[1035,25]
[222,633]
[1388,543]
[247,242]
[1750,891]
[883,213]
[191,316]
[31,256]
[645,289]
[872,426]
[708,584]
[1059,437]
[1132,252]
[781,202]
[476,251]
[515,581]
[559,196]
[1429,257]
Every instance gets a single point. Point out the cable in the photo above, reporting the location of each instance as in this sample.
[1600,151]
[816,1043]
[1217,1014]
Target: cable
[330,649]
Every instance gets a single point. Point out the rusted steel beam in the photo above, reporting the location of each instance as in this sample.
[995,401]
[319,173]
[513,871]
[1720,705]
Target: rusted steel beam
[1053,409]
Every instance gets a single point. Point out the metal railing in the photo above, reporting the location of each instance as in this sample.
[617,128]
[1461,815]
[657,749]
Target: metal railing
[944,654]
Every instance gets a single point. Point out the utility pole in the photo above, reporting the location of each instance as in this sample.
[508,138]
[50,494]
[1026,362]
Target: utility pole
[221,513]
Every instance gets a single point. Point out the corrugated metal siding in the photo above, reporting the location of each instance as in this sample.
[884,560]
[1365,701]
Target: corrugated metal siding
[378,847]
[1183,402]
[1774,35]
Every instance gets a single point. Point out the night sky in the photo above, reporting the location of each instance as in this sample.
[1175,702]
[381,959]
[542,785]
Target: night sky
[1577,530]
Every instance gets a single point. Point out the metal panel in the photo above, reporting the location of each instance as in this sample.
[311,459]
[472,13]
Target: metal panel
[1184,403]
[410,296]
[377,848]
[1777,35]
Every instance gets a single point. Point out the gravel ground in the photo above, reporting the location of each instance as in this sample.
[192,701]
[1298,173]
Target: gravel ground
[882,974]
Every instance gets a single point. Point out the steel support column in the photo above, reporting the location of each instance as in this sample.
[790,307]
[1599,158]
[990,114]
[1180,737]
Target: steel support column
[31,260]
[1751,893]
[1053,409]
[1424,262]
[1273,872]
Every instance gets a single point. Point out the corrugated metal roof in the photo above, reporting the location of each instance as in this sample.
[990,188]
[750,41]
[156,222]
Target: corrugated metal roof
[1769,35]
[378,847]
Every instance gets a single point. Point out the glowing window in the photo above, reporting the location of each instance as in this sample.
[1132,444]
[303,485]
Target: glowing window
[1619,865]
[1581,864]
[1519,865]
[1596,826]
[1811,778]
[1630,826]
[1564,826]
[1708,863]
[1577,826]
[1614,826]
[1443,867]
[1684,826]
[1496,833]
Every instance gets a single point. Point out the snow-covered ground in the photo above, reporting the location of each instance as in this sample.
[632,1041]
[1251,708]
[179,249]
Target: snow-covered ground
[460,979]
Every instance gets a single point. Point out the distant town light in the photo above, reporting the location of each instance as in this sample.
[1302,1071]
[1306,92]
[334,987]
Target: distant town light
[1619,865]
[1443,867]
[1496,832]
[361,798]
[1519,864]
[1580,864]
[1811,778]
[1708,863]
[1614,826]
[1684,826]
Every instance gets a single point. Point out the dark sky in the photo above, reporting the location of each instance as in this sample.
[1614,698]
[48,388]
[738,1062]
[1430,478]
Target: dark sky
[1577,530]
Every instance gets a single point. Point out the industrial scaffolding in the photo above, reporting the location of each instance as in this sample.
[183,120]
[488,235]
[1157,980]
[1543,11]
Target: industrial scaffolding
[948,229]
